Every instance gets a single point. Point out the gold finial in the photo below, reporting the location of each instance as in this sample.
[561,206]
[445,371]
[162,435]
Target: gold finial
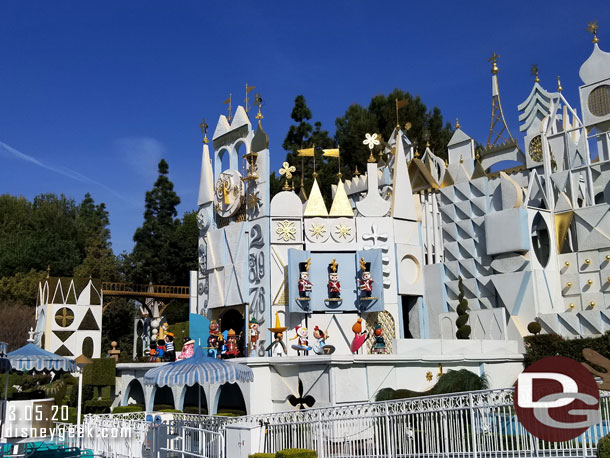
[356,172]
[559,88]
[478,156]
[457,123]
[427,143]
[333,266]
[228,101]
[416,153]
[408,126]
[259,103]
[446,163]
[461,159]
[592,29]
[287,170]
[399,105]
[494,59]
[48,270]
[534,72]
[248,89]
[204,130]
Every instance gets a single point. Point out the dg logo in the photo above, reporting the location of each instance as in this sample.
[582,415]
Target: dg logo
[556,399]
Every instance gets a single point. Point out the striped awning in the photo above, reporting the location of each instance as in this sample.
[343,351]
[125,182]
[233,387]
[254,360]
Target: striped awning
[33,358]
[199,369]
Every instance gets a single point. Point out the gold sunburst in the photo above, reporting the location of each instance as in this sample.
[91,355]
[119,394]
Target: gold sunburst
[253,200]
[343,231]
[429,376]
[317,230]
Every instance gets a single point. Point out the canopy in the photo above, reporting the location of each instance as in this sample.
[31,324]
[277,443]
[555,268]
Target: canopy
[199,369]
[33,358]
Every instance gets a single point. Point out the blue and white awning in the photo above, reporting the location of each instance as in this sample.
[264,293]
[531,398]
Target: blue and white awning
[199,369]
[32,358]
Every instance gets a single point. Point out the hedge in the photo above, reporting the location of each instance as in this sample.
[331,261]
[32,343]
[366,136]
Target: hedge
[603,447]
[128,409]
[98,406]
[544,345]
[177,329]
[296,453]
[262,455]
[101,372]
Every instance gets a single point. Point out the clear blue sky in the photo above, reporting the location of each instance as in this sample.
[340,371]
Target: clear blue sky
[93,94]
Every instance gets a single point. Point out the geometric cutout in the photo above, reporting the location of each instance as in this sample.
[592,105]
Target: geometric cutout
[563,203]
[510,192]
[63,351]
[88,323]
[562,226]
[509,262]
[63,335]
[536,196]
[87,347]
[64,317]
[514,290]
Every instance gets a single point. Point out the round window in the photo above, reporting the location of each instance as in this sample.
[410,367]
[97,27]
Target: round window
[599,101]
[64,317]
[541,241]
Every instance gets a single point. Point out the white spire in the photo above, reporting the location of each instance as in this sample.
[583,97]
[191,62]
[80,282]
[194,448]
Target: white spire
[206,183]
[403,206]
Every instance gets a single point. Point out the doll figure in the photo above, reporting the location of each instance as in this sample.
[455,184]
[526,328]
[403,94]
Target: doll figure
[379,346]
[359,336]
[213,340]
[170,352]
[232,348]
[365,283]
[321,347]
[254,332]
[160,353]
[188,349]
[304,283]
[302,344]
[277,347]
[334,286]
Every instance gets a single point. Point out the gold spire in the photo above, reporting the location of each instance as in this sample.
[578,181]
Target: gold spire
[457,123]
[341,205]
[356,172]
[592,29]
[228,101]
[315,204]
[204,130]
[534,72]
[48,270]
[287,170]
[559,88]
[259,103]
[399,105]
[494,59]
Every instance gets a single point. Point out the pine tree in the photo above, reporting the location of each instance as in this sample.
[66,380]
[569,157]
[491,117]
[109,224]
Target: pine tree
[154,249]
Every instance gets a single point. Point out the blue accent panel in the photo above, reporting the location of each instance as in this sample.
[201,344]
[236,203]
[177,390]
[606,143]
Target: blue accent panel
[199,329]
[294,258]
[374,257]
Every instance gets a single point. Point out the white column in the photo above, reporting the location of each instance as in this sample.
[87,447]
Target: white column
[80,398]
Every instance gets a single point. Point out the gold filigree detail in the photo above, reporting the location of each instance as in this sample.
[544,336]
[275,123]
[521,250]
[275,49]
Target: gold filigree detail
[286,230]
[253,200]
[429,376]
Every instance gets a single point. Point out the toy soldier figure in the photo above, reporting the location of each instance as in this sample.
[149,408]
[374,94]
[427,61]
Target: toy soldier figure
[253,333]
[304,283]
[334,286]
[366,282]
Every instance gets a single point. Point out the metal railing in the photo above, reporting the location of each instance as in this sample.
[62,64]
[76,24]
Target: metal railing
[473,424]
[143,290]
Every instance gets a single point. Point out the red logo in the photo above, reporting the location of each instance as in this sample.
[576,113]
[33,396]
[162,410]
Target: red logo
[557,399]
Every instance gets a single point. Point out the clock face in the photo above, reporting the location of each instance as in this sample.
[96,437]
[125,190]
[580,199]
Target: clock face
[229,193]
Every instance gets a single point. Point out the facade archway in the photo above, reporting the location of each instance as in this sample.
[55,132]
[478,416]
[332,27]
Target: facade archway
[134,394]
[190,400]
[163,398]
[230,400]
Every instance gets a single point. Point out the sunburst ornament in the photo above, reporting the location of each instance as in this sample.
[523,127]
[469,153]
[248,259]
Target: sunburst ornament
[429,376]
[317,230]
[253,200]
[285,230]
[343,231]
[287,170]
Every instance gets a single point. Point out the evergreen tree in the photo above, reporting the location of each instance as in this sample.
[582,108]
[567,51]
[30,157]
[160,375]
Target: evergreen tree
[154,248]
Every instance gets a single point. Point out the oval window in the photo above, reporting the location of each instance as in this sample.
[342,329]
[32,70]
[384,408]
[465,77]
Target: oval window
[88,347]
[541,241]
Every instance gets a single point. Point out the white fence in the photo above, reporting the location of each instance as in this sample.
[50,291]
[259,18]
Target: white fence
[474,424]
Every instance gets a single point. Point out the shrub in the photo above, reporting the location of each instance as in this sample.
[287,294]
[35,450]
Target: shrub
[463,330]
[296,453]
[101,372]
[170,411]
[128,409]
[96,406]
[262,455]
[543,345]
[603,447]
[534,328]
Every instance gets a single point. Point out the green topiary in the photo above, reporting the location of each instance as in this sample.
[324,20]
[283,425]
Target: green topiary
[101,372]
[603,447]
[534,328]
[296,453]
[463,330]
[128,409]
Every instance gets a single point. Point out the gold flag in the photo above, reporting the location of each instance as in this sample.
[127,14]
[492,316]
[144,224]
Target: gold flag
[307,152]
[331,152]
[228,100]
[249,88]
[401,103]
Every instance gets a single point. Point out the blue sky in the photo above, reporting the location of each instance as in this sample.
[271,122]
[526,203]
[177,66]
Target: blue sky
[93,94]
